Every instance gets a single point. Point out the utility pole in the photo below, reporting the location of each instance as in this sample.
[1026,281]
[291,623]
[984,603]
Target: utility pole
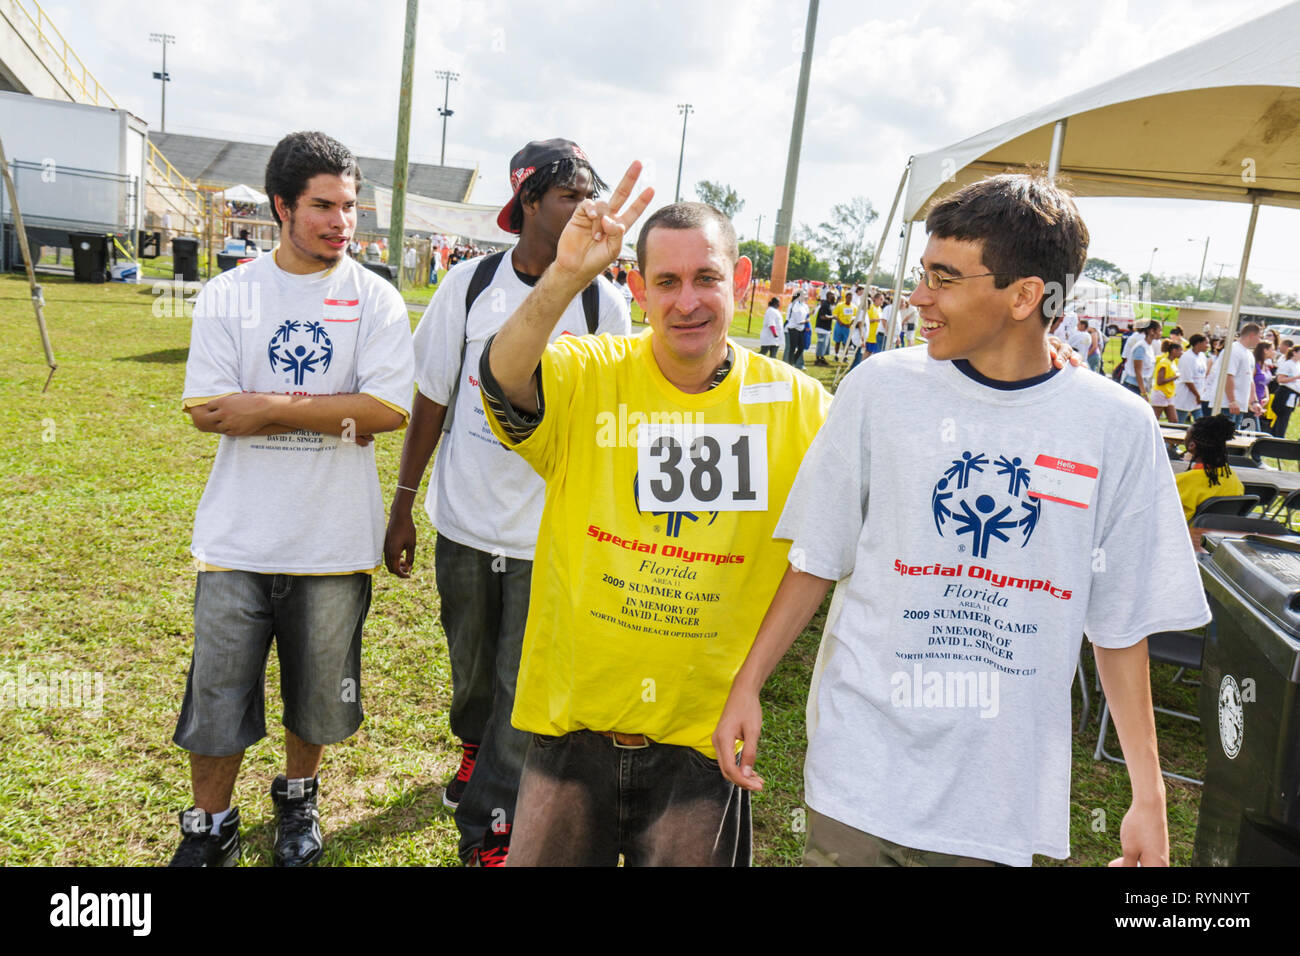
[686,110]
[165,39]
[1202,273]
[397,221]
[447,77]
[759,237]
[784,218]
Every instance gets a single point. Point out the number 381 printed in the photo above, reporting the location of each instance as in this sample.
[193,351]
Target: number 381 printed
[693,467]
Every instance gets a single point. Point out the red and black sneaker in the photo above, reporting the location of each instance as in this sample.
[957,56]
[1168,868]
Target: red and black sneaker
[455,788]
[495,848]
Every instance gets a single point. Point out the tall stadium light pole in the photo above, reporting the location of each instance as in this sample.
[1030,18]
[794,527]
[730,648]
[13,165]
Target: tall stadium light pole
[447,77]
[686,109]
[397,223]
[784,218]
[164,39]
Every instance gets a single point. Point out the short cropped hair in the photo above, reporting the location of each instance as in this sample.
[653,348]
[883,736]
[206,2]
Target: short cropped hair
[688,215]
[300,156]
[1029,227]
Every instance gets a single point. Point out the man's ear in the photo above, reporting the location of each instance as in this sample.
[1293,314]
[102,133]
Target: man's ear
[637,285]
[281,208]
[1027,298]
[741,275]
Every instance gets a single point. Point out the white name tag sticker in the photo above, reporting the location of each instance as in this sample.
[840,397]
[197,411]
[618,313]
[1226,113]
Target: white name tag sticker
[702,467]
[761,392]
[341,310]
[1067,482]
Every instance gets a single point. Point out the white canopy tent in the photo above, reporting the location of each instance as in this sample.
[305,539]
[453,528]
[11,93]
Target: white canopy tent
[472,221]
[242,193]
[1219,120]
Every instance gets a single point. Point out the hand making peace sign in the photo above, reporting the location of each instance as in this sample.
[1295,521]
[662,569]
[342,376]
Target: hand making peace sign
[593,237]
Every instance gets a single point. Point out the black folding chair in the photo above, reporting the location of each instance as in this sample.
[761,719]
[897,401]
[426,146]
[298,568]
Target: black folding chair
[1226,505]
[1265,494]
[1288,504]
[1247,524]
[1278,449]
[1241,461]
[1181,648]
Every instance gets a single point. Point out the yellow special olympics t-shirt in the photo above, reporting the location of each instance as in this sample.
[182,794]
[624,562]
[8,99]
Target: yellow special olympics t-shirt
[654,564]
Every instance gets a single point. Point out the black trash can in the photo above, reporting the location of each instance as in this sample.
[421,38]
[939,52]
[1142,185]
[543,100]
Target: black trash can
[90,256]
[148,245]
[185,259]
[383,269]
[1250,806]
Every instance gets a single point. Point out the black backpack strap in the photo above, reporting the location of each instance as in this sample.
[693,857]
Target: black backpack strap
[482,278]
[591,307]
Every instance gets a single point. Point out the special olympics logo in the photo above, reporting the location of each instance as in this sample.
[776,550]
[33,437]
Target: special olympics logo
[1232,723]
[298,348]
[983,505]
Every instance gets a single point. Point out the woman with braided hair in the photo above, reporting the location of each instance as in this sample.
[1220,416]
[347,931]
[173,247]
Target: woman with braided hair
[1207,474]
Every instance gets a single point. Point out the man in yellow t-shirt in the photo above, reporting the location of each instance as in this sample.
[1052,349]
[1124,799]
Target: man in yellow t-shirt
[667,459]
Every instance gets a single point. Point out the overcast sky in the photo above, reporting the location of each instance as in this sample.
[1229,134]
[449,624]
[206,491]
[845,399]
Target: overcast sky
[888,81]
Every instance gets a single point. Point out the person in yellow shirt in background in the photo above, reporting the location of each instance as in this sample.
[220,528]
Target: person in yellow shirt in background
[875,334]
[1207,474]
[667,459]
[844,314]
[1166,379]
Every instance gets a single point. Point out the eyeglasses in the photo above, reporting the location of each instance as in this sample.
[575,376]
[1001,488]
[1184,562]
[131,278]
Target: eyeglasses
[934,281]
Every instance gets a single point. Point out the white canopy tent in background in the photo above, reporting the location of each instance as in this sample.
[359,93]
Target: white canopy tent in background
[475,222]
[242,193]
[1219,120]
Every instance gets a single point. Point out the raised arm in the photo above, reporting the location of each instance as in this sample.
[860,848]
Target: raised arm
[592,239]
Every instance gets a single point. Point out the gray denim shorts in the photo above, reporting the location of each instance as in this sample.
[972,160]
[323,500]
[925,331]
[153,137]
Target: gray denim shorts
[316,624]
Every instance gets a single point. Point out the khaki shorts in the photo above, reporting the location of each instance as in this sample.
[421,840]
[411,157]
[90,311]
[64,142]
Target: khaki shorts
[831,843]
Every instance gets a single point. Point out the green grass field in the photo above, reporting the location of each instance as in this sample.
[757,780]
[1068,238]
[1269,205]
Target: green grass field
[100,480]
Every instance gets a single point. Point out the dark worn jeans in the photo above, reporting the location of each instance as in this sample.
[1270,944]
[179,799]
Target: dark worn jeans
[484,608]
[583,801]
[315,621]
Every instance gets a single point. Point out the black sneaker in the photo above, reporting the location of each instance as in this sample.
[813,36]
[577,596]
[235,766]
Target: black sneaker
[495,848]
[200,846]
[298,840]
[455,788]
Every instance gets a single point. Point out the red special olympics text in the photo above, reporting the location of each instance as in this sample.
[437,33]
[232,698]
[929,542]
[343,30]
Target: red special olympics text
[983,574]
[667,551]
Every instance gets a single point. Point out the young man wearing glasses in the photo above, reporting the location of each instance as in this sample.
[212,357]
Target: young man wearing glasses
[939,716]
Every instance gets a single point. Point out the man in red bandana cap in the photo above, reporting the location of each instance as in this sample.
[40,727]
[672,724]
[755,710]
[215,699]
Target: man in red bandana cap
[487,504]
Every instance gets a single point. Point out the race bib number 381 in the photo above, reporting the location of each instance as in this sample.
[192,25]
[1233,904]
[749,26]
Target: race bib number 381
[702,467]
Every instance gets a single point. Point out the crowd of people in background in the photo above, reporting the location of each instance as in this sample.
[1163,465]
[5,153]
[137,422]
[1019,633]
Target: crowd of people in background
[1178,375]
[850,321]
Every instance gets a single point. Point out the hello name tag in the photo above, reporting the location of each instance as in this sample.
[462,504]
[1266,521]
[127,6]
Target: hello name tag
[1066,482]
[761,392]
[342,310]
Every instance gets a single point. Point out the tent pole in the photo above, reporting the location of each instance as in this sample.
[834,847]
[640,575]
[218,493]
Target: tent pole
[1058,146]
[1221,367]
[884,233]
[892,332]
[38,296]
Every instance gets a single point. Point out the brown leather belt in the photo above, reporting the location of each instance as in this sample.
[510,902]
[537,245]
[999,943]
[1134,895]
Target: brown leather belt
[625,741]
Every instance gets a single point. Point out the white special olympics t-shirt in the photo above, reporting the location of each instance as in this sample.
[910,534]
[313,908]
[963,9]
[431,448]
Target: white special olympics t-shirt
[481,494]
[299,502]
[982,542]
